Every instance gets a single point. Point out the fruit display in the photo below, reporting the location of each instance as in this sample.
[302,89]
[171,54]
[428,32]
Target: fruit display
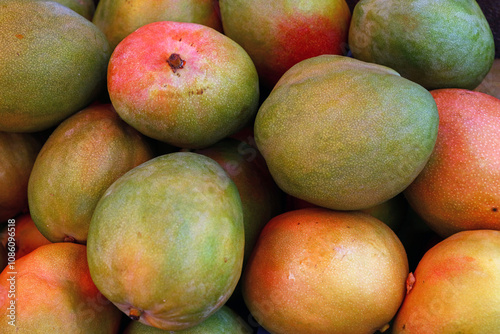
[224,321]
[85,8]
[18,152]
[249,166]
[491,83]
[27,235]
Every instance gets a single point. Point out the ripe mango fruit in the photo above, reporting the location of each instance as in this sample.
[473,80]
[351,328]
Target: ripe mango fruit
[53,63]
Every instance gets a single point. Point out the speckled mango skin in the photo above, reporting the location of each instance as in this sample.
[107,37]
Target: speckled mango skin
[319,271]
[438,44]
[85,8]
[278,34]
[54,280]
[18,152]
[212,93]
[458,188]
[119,18]
[224,321]
[454,288]
[345,134]
[491,83]
[52,64]
[82,157]
[261,198]
[166,241]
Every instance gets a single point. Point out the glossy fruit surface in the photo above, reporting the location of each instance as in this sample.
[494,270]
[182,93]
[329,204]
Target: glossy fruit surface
[54,278]
[316,270]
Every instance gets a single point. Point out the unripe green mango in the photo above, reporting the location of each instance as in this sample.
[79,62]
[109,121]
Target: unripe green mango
[119,18]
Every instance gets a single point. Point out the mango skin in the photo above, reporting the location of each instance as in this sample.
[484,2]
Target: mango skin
[166,241]
[55,294]
[85,8]
[454,288]
[261,198]
[18,152]
[53,63]
[278,34]
[345,134]
[437,44]
[491,82]
[28,237]
[82,157]
[319,271]
[458,188]
[118,18]
[211,92]
[224,321]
